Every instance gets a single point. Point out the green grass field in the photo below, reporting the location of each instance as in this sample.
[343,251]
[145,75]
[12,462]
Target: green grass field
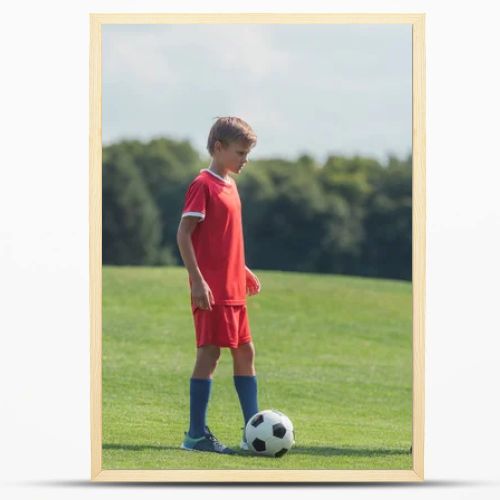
[333,353]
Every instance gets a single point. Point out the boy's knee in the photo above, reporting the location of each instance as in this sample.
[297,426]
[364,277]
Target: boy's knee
[248,349]
[215,353]
[206,361]
[210,354]
[245,352]
[215,358]
[243,358]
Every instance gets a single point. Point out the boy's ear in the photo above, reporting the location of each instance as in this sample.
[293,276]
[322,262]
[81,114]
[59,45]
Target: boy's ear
[219,146]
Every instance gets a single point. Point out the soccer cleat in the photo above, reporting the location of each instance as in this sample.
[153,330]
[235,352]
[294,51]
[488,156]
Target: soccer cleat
[244,443]
[208,442]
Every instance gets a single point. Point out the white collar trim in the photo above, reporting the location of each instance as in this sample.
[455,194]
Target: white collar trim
[216,175]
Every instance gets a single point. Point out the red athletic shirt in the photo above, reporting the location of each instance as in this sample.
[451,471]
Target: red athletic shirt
[218,238]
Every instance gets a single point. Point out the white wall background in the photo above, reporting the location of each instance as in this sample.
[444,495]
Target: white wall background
[44,320]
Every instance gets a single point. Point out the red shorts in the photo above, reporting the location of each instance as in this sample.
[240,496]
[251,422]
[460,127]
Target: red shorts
[223,326]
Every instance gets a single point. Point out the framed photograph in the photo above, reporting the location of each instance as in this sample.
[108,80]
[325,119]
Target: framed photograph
[257,247]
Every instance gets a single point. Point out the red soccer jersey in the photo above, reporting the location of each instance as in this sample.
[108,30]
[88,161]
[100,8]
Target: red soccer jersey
[218,238]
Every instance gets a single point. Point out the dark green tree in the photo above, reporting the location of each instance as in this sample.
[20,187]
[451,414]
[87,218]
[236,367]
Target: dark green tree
[167,168]
[131,226]
[351,215]
[289,222]
[387,249]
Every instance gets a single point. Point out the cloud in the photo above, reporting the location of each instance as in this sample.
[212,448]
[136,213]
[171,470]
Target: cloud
[166,54]
[302,87]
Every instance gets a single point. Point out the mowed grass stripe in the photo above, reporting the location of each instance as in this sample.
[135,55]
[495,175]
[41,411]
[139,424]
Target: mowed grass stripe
[333,353]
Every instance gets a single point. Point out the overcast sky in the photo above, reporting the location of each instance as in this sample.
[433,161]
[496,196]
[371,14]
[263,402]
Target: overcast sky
[315,89]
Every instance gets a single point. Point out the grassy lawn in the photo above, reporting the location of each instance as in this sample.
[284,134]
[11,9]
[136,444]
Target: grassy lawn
[333,353]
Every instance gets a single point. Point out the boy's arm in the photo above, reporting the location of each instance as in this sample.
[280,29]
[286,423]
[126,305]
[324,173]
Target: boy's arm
[200,291]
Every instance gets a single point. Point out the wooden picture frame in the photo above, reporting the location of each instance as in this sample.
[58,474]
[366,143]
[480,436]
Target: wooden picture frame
[417,21]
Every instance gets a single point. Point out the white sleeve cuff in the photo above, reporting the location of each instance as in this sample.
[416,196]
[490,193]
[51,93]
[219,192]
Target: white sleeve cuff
[194,214]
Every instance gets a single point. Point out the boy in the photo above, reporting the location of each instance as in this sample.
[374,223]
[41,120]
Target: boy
[210,240]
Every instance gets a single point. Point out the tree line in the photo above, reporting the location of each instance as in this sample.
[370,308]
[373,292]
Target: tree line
[349,215]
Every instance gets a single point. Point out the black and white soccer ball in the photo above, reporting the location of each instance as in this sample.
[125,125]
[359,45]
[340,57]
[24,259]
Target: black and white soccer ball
[270,433]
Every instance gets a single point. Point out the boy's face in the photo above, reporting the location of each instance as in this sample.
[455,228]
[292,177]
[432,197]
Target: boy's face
[232,157]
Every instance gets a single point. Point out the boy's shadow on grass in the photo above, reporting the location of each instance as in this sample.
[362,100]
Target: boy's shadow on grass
[328,451]
[138,447]
[321,451]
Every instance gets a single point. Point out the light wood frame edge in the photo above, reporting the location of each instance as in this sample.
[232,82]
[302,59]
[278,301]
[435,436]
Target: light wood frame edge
[263,476]
[419,242]
[418,263]
[95,246]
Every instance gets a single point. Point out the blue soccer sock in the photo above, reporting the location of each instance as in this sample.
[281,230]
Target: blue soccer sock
[199,394]
[246,387]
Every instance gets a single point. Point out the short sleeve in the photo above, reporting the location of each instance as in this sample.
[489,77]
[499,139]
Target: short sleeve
[195,203]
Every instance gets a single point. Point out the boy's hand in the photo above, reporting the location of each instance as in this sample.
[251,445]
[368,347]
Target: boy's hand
[253,283]
[202,295]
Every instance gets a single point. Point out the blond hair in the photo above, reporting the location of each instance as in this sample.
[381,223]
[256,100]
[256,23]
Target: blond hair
[228,129]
